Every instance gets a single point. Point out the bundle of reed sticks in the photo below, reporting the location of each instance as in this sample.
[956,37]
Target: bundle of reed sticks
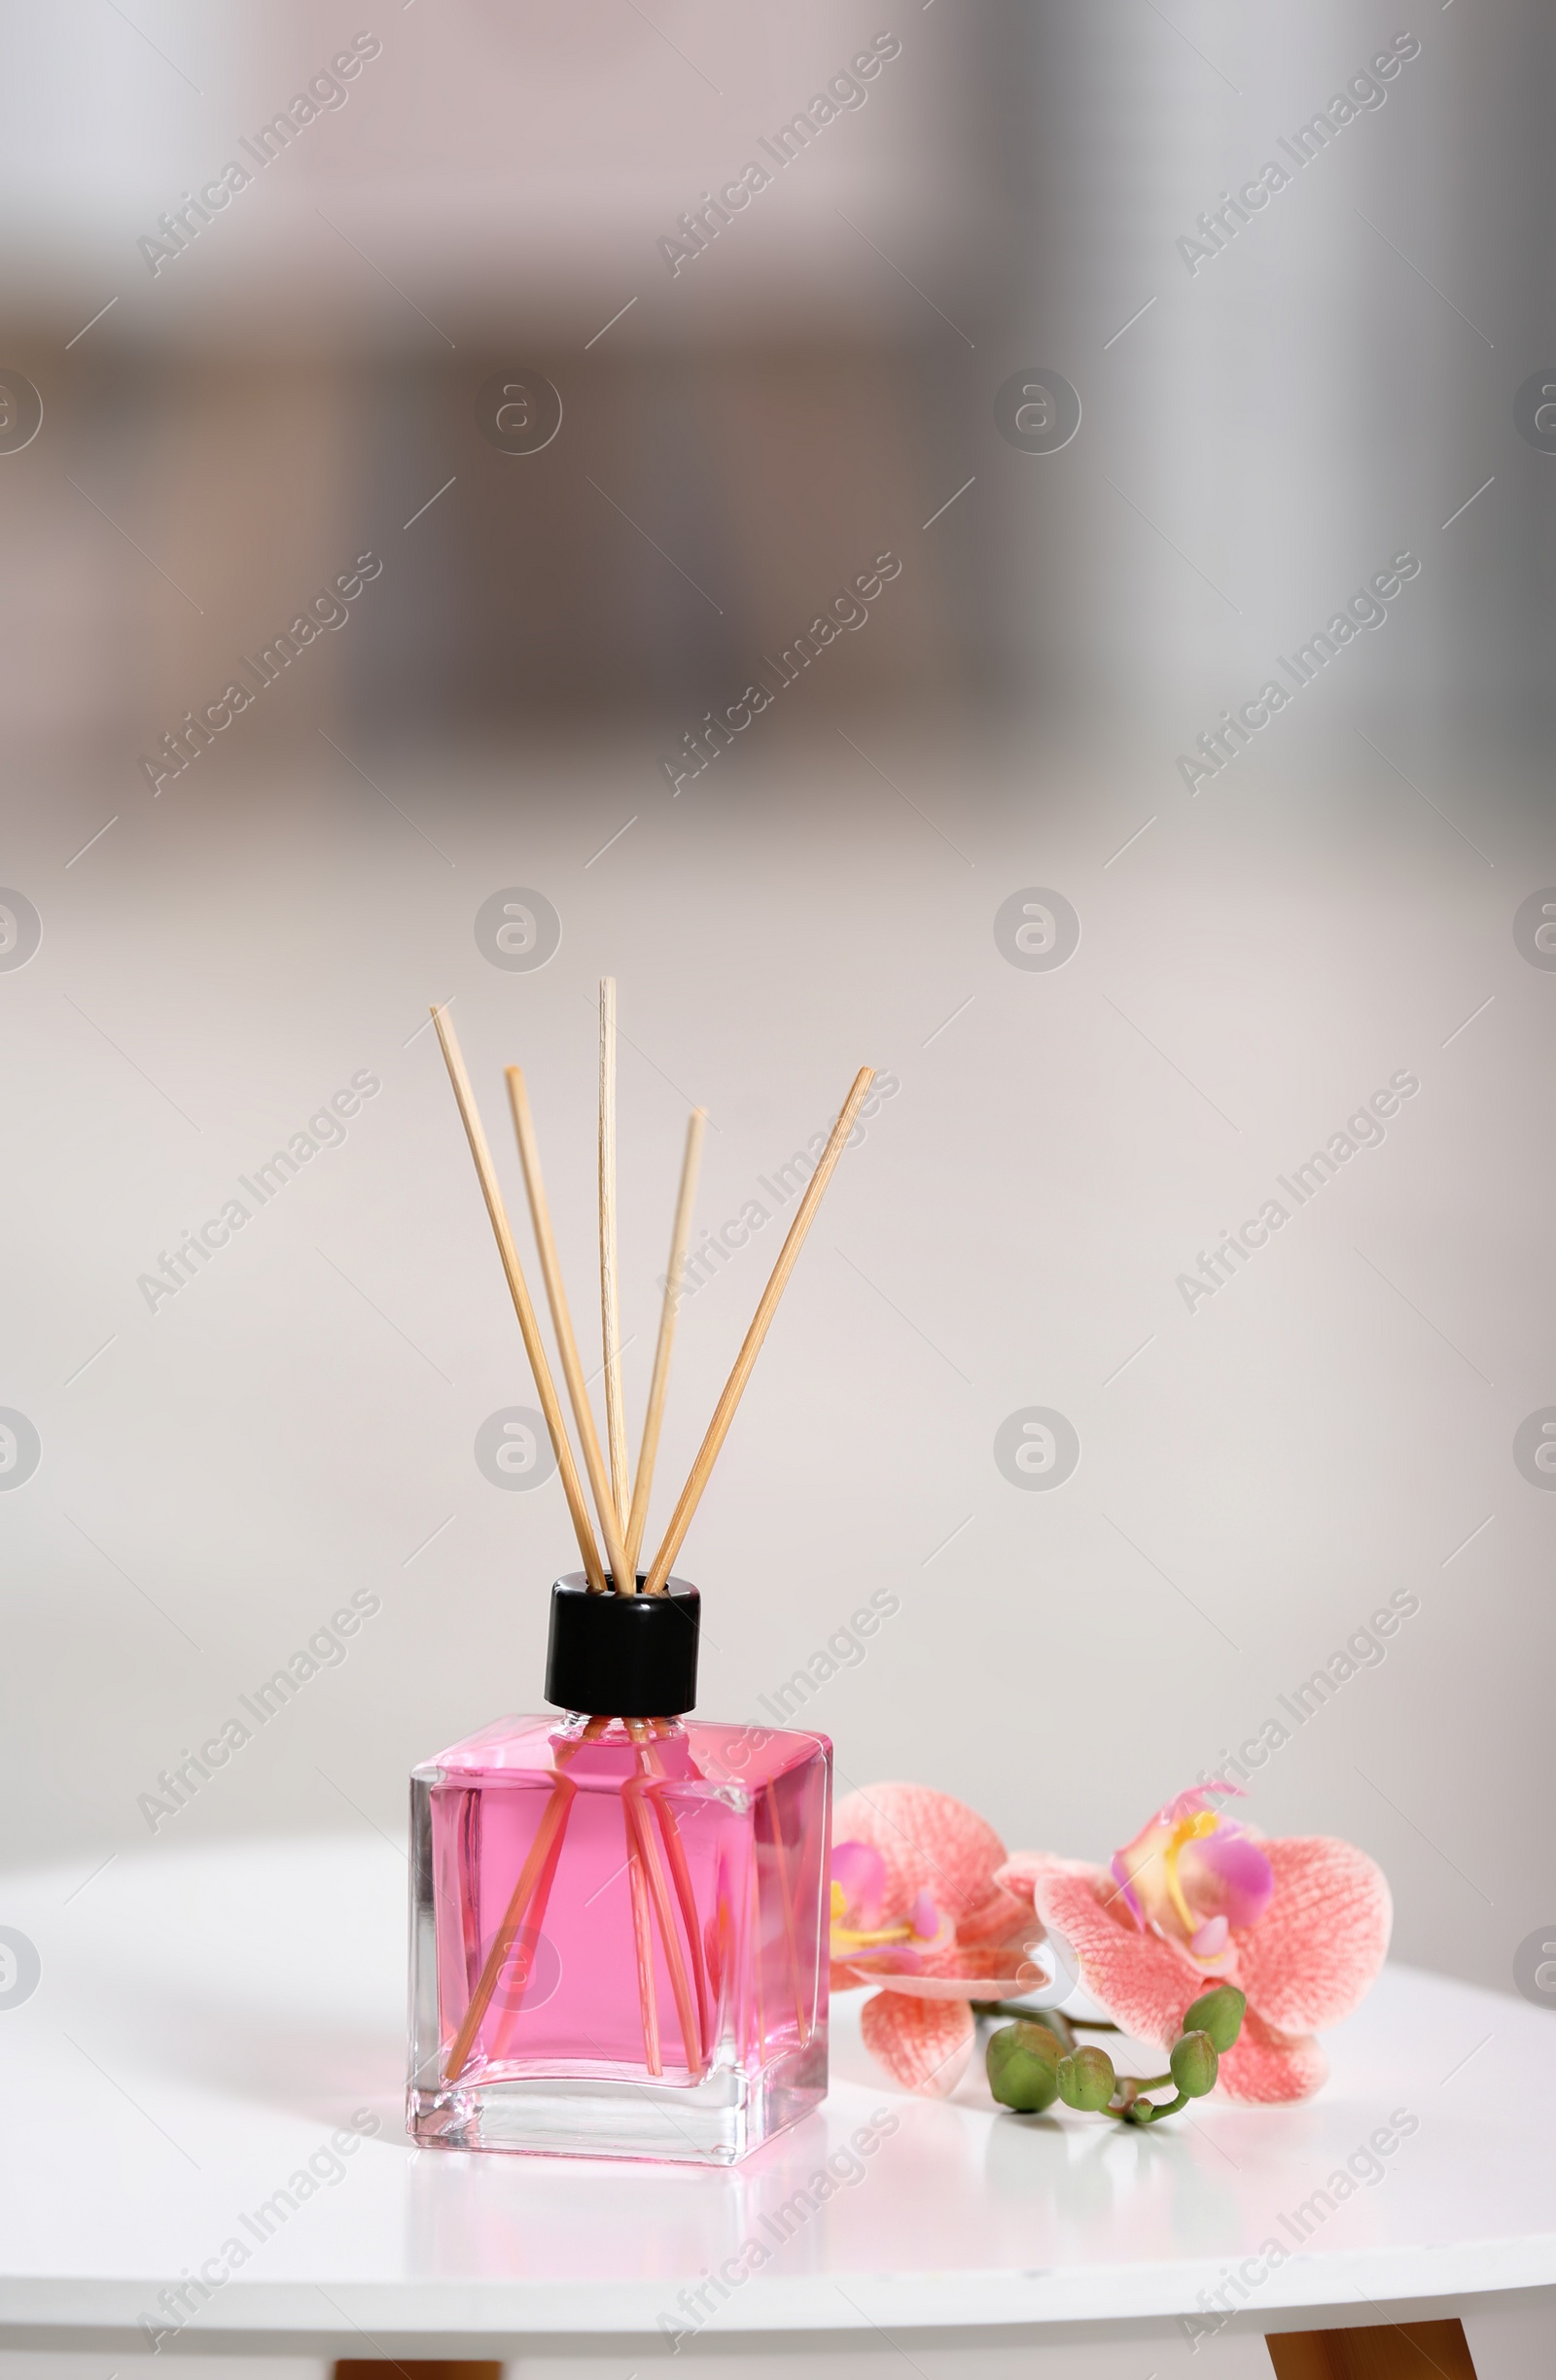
[622,1496]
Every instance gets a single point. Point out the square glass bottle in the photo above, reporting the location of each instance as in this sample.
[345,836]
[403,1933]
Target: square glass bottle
[619,1916]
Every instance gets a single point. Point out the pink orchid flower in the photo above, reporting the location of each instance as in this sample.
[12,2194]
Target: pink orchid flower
[1300,1925]
[917,1907]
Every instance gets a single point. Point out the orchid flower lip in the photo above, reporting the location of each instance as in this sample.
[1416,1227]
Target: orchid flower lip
[1192,1874]
[1193,1799]
[852,1938]
[923,1928]
[858,1935]
[858,1880]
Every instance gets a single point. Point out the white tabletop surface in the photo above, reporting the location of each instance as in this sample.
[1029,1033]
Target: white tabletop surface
[206,2018]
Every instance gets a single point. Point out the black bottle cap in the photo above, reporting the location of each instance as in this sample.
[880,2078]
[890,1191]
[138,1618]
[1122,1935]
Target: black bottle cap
[622,1657]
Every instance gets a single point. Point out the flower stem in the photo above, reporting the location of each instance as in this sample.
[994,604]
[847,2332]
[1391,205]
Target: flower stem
[1057,2025]
[1039,2015]
[1147,2111]
[1065,2027]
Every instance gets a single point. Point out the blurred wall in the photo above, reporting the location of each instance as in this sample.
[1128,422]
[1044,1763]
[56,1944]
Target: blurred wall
[1253,932]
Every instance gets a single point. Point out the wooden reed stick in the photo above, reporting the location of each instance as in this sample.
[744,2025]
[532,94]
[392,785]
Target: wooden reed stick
[546,1835]
[632,1795]
[753,1938]
[724,1412]
[610,1312]
[681,1877]
[679,1872]
[642,1936]
[546,1386]
[623,1566]
[680,1235]
[787,1897]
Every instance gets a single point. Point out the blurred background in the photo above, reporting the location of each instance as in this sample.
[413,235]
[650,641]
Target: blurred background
[1000,306]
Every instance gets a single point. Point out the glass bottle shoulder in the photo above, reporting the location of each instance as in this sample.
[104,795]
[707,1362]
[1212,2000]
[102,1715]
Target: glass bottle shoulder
[697,1755]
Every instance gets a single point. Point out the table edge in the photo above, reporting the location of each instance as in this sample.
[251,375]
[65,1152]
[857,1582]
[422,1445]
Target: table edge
[302,2318]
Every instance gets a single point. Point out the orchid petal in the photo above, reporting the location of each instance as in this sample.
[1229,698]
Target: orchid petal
[1130,1896]
[879,1959]
[928,1843]
[997,1918]
[959,1986]
[978,1975]
[924,2044]
[1319,1945]
[1142,1981]
[1265,2067]
[1020,1874]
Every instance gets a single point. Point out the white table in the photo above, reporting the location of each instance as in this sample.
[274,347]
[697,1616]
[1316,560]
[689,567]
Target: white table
[206,2018]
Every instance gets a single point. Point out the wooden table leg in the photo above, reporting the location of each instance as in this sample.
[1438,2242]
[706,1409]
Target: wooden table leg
[1386,2351]
[419,2370]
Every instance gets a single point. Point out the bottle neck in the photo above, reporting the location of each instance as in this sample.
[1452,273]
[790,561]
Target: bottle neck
[592,1745]
[585,1726]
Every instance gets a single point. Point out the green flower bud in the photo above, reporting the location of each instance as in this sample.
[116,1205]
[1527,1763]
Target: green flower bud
[1021,2060]
[1086,2080]
[1219,2014]
[1193,2064]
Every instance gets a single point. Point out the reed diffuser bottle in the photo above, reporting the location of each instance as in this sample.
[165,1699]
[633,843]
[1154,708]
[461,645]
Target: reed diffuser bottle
[619,1938]
[619,1911]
